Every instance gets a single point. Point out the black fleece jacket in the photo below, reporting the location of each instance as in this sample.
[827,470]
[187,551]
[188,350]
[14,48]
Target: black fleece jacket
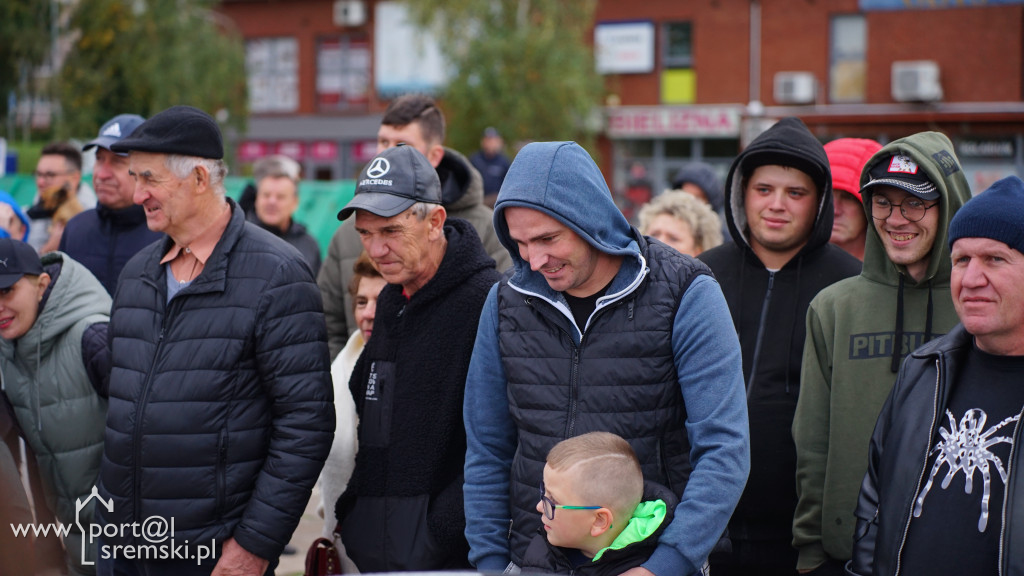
[408,385]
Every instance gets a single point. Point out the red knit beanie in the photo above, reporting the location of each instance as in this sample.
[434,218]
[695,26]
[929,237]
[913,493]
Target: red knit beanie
[846,157]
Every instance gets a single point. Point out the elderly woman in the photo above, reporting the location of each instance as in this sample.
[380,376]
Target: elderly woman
[364,288]
[681,221]
[54,359]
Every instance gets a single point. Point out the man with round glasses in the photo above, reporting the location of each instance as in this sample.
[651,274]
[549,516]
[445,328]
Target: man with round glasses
[860,329]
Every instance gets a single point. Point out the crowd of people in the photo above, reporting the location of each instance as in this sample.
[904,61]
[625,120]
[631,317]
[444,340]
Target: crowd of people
[766,377]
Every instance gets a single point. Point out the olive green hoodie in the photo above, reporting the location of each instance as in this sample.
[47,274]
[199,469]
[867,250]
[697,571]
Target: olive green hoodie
[849,362]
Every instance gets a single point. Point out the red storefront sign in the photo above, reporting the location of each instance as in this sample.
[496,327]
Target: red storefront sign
[323,150]
[364,150]
[679,121]
[252,150]
[291,148]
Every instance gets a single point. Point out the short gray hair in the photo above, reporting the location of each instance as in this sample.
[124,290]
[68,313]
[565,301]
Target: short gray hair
[421,209]
[276,166]
[181,166]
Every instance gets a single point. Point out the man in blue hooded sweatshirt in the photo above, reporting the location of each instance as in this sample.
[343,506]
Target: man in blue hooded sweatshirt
[598,329]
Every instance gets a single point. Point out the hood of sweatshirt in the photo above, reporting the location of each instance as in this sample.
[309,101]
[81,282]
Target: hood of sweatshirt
[462,187]
[787,143]
[649,518]
[561,180]
[933,153]
[704,177]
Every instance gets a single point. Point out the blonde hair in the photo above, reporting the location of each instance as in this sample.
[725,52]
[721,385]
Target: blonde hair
[605,470]
[704,224]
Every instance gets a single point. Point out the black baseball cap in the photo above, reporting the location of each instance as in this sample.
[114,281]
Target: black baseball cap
[16,260]
[901,172]
[393,181]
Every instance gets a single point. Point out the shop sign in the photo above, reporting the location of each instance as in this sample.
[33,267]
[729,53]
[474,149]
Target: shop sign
[291,148]
[323,150]
[624,47]
[986,148]
[364,150]
[673,121]
[252,150]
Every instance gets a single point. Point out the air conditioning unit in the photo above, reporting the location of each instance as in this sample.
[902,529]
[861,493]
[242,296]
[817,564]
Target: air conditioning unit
[349,12]
[916,81]
[795,88]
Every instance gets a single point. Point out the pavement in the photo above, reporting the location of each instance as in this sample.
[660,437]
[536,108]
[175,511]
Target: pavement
[309,529]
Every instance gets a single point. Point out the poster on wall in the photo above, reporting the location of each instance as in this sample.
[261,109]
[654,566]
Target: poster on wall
[624,47]
[405,58]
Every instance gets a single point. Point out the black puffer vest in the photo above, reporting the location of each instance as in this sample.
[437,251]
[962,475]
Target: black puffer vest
[621,378]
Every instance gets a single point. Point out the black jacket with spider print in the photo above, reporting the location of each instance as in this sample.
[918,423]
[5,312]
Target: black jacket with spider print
[898,456]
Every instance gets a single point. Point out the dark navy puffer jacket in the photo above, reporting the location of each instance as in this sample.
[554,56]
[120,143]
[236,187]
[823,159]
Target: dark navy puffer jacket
[103,240]
[622,379]
[221,406]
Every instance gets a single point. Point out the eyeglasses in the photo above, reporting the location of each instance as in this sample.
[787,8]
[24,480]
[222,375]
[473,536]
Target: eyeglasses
[549,505]
[50,175]
[913,209]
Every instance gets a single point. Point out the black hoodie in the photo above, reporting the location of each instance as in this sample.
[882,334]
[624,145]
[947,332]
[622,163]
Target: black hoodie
[768,311]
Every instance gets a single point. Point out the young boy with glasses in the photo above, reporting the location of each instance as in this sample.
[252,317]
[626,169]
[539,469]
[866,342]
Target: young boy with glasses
[860,329]
[599,516]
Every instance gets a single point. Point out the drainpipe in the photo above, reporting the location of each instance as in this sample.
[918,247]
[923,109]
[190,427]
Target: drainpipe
[755,51]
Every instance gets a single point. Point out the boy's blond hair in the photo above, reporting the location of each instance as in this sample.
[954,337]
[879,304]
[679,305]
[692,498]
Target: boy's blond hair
[605,471]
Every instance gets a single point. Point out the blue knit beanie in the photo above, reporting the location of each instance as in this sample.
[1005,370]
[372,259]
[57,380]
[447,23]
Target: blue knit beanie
[996,213]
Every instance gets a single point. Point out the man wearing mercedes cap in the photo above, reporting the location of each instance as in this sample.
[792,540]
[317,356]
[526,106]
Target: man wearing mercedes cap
[403,507]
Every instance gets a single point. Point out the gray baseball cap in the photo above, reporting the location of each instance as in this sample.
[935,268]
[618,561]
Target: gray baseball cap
[118,127]
[393,181]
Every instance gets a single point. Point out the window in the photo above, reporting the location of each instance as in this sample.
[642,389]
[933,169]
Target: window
[677,42]
[847,62]
[342,73]
[272,65]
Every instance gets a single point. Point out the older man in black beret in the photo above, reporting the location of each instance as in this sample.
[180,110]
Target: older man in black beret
[221,410]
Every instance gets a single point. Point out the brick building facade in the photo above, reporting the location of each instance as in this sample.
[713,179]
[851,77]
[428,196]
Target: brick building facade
[684,80]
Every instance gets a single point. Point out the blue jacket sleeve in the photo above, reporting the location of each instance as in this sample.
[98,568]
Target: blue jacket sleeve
[490,445]
[710,372]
